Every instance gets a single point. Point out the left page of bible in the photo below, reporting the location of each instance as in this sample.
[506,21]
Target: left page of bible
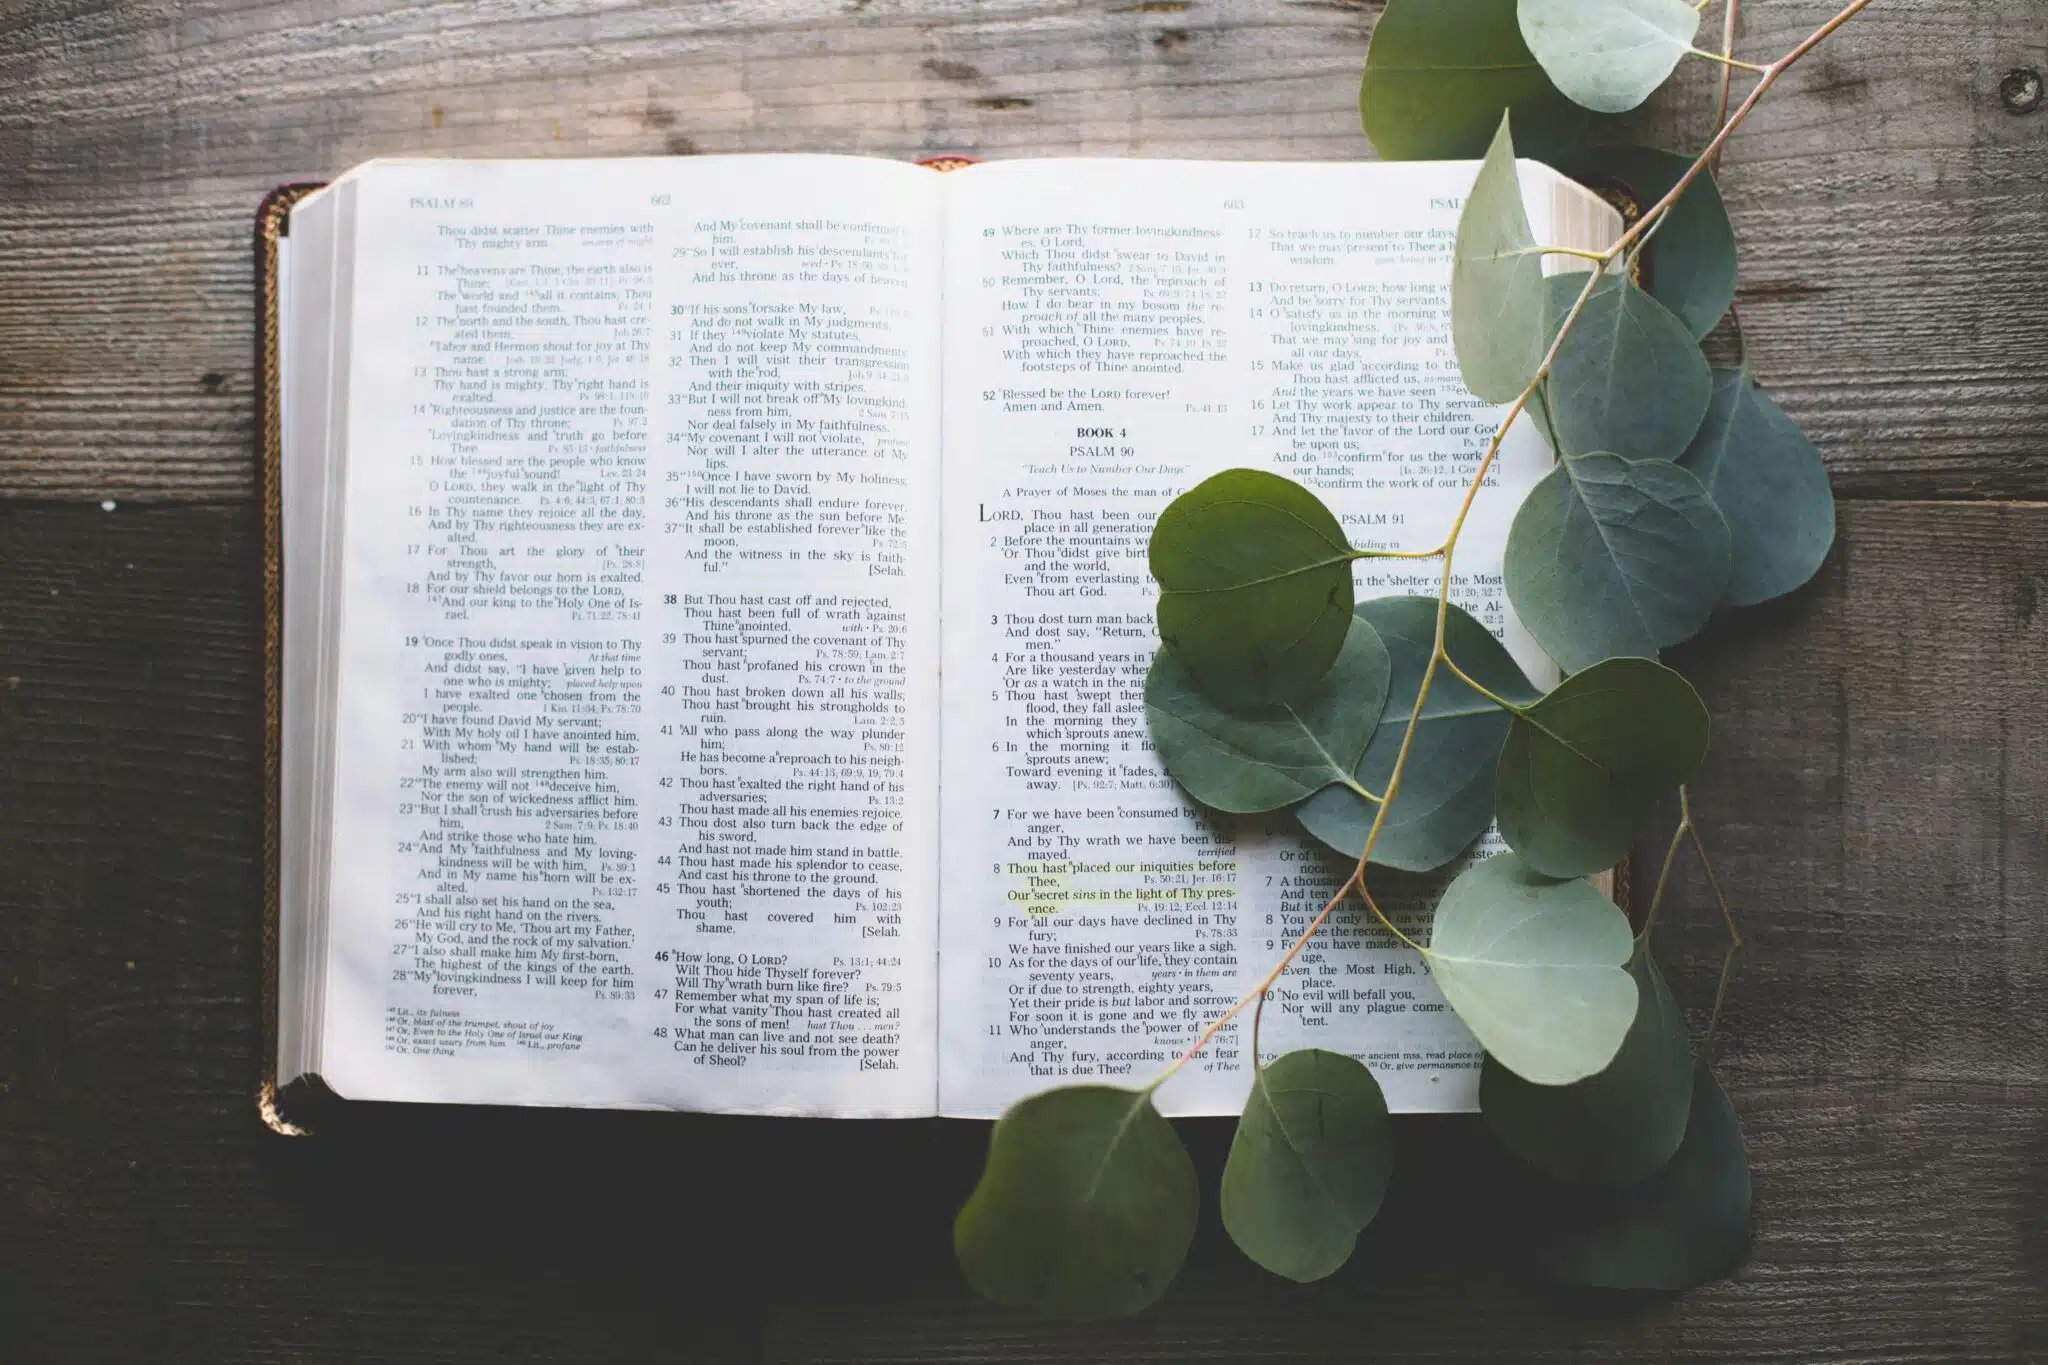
[635,721]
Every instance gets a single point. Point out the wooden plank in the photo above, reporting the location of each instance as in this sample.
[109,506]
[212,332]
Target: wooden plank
[1894,214]
[1874,782]
[1874,802]
[1892,1225]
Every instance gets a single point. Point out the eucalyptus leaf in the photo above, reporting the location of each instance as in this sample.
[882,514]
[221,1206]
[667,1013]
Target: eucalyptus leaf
[1085,1207]
[1691,255]
[1309,1164]
[1609,557]
[1584,767]
[1254,586]
[1440,73]
[1261,760]
[1446,796]
[1770,485]
[1535,967]
[1608,55]
[1499,327]
[1629,377]
[1684,1226]
[1617,1126]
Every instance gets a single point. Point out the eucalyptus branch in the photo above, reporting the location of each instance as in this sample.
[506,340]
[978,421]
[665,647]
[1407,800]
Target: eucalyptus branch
[1636,232]
[1622,244]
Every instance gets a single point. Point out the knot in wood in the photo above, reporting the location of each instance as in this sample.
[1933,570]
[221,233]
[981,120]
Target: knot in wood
[2020,90]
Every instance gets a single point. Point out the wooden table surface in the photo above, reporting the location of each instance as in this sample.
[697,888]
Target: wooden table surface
[1875,795]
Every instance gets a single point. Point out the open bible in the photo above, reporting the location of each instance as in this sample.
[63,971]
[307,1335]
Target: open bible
[715,613]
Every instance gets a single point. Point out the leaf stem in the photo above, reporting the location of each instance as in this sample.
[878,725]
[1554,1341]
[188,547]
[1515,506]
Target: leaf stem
[1397,554]
[1522,712]
[1727,61]
[1388,924]
[1363,790]
[1582,253]
[1466,678]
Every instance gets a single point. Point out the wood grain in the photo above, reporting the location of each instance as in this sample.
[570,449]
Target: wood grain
[1862,1254]
[1874,802]
[1894,215]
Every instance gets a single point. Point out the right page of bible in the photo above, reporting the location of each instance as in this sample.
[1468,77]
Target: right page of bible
[1117,331]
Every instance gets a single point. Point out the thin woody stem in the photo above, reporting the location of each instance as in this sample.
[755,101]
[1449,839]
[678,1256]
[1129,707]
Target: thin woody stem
[1258,993]
[1727,72]
[1727,919]
[1664,874]
[1734,121]
[1258,1017]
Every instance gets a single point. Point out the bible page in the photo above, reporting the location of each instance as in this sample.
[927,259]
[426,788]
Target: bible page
[1118,331]
[635,801]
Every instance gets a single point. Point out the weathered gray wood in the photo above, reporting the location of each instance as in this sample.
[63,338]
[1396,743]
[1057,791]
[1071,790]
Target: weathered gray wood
[1893,1226]
[1874,802]
[1895,216]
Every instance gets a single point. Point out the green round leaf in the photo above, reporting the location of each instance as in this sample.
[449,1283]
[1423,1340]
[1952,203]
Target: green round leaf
[1608,55]
[1535,968]
[1251,761]
[1770,485]
[1684,1226]
[1629,377]
[1612,1128]
[1440,73]
[1446,796]
[1309,1164]
[1692,255]
[1584,767]
[1499,327]
[1255,586]
[1609,557]
[1085,1208]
